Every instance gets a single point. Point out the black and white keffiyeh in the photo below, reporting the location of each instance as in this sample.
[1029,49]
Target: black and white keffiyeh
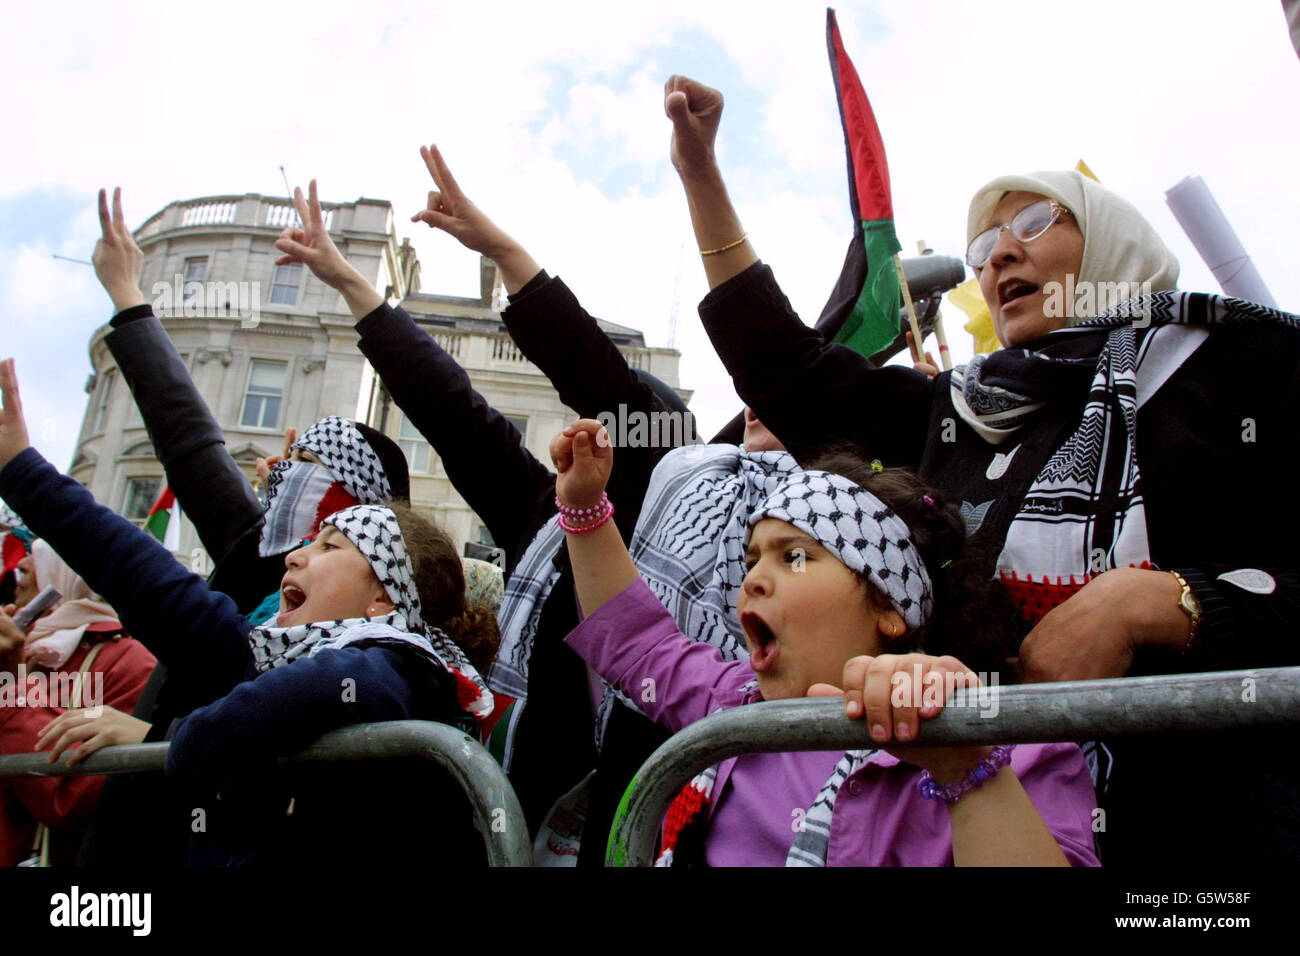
[374,530]
[299,493]
[689,542]
[859,529]
[812,842]
[687,816]
[521,610]
[297,490]
[342,449]
[1086,502]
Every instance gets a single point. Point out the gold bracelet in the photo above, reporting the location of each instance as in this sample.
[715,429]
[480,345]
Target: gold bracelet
[1189,605]
[730,245]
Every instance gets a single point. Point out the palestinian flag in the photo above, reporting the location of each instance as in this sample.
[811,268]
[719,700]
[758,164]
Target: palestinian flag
[164,520]
[863,310]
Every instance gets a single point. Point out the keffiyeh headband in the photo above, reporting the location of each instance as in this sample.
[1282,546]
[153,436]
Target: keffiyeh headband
[299,494]
[342,449]
[860,530]
[375,532]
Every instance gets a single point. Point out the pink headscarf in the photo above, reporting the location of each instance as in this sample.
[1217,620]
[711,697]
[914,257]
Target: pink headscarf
[54,638]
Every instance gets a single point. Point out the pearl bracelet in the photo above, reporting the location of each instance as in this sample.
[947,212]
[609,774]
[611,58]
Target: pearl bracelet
[590,518]
[975,778]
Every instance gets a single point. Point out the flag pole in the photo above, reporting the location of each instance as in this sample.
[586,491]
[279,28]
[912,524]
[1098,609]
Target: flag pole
[945,357]
[911,309]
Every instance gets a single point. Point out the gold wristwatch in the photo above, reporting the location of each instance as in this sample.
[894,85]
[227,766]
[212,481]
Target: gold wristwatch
[1191,605]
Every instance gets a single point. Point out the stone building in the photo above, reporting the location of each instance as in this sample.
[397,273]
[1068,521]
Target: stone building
[271,347]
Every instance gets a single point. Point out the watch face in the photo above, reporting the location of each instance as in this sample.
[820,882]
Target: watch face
[1191,603]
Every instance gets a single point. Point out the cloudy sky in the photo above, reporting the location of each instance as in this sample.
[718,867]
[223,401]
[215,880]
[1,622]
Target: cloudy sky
[551,116]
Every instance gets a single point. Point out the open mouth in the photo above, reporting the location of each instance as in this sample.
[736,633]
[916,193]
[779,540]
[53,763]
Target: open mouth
[1012,290]
[763,646]
[292,597]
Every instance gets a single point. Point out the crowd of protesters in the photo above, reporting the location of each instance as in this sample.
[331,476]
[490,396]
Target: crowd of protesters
[1078,505]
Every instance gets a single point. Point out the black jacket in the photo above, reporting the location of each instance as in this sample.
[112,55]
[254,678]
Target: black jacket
[1216,443]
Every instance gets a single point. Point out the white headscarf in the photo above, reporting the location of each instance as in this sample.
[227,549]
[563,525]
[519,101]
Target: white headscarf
[54,638]
[1119,245]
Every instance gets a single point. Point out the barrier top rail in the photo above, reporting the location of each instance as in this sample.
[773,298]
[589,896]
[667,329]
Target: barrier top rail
[500,818]
[1026,713]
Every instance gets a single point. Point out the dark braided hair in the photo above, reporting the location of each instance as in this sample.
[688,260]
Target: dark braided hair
[973,619]
[439,576]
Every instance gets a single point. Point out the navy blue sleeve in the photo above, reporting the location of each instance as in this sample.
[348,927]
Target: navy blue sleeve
[195,632]
[481,451]
[286,708]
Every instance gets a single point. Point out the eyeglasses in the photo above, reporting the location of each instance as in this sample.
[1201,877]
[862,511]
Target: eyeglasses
[1026,226]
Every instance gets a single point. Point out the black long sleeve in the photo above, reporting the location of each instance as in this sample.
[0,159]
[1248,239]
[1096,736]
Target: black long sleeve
[808,392]
[593,378]
[482,452]
[211,489]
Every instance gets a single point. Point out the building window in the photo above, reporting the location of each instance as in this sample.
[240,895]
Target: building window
[520,423]
[101,406]
[262,399]
[141,493]
[415,448]
[284,284]
[196,270]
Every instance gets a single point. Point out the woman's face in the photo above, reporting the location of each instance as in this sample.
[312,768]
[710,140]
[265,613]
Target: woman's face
[1015,282]
[804,612]
[329,580]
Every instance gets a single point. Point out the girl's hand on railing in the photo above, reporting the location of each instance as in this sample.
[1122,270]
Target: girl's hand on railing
[894,692]
[583,459]
[90,730]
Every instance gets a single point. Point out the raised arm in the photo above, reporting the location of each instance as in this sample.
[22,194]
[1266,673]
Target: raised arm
[810,393]
[450,210]
[695,111]
[186,437]
[627,636]
[189,628]
[481,451]
[558,336]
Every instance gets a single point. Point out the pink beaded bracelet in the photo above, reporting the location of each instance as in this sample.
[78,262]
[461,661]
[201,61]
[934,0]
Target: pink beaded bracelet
[591,518]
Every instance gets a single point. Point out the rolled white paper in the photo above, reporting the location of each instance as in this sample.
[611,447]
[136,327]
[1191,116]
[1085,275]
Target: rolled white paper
[1212,235]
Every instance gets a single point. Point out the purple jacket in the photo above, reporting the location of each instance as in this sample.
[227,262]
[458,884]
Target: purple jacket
[760,799]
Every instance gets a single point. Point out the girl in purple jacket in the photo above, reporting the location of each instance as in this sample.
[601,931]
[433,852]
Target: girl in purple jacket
[847,580]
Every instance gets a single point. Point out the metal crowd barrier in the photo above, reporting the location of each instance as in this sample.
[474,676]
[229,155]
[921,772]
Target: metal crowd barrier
[500,818]
[1027,713]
